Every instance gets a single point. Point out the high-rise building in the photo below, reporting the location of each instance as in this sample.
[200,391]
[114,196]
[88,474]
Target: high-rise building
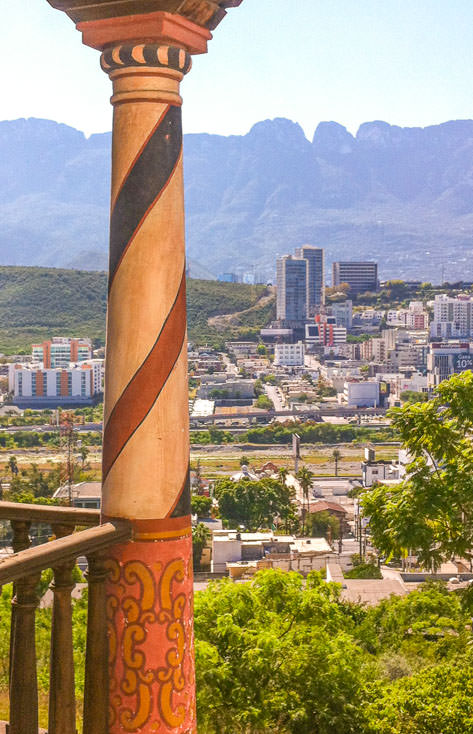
[453,317]
[291,303]
[360,276]
[315,278]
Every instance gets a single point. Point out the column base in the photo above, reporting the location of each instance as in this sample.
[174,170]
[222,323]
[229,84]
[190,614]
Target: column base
[150,628]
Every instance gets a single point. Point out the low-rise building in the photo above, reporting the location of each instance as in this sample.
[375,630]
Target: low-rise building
[324,332]
[446,359]
[414,317]
[224,387]
[35,386]
[83,494]
[242,349]
[289,355]
[373,471]
[242,554]
[361,394]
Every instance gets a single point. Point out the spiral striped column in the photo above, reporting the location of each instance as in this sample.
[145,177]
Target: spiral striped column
[146,441]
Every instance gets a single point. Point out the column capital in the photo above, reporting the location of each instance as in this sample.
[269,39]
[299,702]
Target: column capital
[158,27]
[104,22]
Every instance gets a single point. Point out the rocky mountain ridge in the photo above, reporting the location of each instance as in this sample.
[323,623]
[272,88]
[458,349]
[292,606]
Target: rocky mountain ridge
[403,196]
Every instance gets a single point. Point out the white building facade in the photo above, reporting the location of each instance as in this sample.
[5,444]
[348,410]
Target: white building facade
[34,385]
[289,355]
[453,317]
[361,394]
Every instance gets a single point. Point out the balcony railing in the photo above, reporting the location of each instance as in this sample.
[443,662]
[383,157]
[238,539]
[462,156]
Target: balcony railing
[24,568]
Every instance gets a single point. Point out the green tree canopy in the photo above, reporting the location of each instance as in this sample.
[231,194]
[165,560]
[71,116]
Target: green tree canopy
[431,511]
[255,504]
[412,396]
[273,656]
[200,505]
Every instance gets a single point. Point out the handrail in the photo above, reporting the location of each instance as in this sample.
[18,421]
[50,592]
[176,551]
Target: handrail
[63,550]
[49,514]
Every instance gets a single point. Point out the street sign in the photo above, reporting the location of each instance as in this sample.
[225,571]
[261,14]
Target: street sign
[462,362]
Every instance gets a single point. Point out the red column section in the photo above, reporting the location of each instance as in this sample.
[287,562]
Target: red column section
[149,610]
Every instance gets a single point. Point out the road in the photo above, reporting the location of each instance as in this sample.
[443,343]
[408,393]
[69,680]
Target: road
[48,427]
[274,395]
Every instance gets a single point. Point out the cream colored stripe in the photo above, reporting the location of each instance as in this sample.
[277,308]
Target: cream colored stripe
[145,285]
[116,55]
[149,473]
[137,53]
[163,55]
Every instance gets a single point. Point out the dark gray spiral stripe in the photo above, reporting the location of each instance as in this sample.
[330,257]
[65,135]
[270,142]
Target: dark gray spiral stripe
[144,183]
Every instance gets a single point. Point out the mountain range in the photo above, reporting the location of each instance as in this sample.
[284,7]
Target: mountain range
[402,196]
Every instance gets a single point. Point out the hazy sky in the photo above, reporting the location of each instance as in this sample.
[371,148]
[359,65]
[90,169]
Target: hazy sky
[409,62]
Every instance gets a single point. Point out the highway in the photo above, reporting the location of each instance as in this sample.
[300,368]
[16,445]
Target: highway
[264,417]
[267,416]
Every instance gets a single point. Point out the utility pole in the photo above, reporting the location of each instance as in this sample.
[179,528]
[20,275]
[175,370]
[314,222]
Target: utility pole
[69,437]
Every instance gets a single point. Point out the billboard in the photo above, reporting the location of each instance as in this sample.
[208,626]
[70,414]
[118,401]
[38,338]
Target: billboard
[462,362]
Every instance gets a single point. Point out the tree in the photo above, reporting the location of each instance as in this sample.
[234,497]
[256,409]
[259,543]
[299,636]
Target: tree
[200,537]
[200,505]
[282,474]
[83,453]
[336,453]
[412,396]
[13,465]
[318,524]
[264,402]
[261,349]
[255,504]
[258,387]
[273,656]
[431,511]
[305,477]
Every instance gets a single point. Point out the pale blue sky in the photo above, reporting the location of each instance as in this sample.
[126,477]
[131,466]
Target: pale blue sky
[409,62]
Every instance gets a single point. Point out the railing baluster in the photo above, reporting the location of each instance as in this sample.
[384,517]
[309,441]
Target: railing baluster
[62,704]
[20,541]
[96,657]
[23,680]
[24,569]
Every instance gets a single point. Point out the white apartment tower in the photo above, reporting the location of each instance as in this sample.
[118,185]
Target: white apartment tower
[453,317]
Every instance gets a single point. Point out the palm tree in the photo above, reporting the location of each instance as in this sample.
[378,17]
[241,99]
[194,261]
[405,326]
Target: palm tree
[200,537]
[336,457]
[305,477]
[13,465]
[282,474]
[83,452]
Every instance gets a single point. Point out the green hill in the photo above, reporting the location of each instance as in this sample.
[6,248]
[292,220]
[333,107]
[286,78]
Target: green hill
[37,303]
